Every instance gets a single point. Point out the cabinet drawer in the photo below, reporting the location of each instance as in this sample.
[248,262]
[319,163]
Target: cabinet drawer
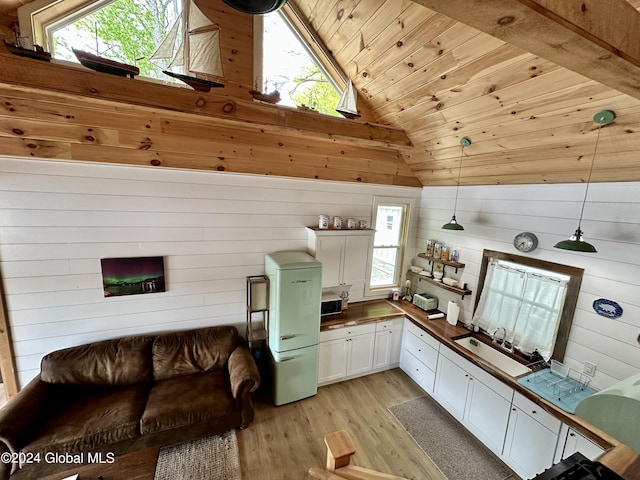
[536,412]
[421,334]
[344,332]
[421,350]
[389,324]
[421,374]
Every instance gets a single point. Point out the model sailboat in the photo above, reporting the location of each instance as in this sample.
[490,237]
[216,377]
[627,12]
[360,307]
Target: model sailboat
[197,50]
[347,106]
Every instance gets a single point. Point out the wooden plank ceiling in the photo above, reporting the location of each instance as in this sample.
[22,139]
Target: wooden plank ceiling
[529,119]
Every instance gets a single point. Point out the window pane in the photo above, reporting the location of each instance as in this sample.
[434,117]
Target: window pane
[527,305]
[384,267]
[389,225]
[289,68]
[127,31]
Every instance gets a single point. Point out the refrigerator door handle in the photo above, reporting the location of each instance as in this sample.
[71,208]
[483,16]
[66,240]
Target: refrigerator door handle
[287,337]
[286,359]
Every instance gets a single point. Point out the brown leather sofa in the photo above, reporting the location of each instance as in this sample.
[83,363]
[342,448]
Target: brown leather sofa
[120,395]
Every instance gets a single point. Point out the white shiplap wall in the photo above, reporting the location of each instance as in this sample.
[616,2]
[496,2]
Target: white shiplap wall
[58,219]
[493,215]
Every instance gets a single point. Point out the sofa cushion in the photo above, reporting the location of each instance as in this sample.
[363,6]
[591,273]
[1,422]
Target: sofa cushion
[186,400]
[83,420]
[117,362]
[192,351]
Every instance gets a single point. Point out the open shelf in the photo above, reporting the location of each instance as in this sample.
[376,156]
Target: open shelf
[455,265]
[459,291]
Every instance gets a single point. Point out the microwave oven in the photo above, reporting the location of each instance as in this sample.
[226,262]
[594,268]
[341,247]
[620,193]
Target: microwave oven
[331,305]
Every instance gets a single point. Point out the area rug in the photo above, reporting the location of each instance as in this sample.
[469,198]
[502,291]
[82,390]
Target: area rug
[208,458]
[455,451]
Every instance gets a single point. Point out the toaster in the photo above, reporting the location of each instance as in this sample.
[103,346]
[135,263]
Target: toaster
[425,302]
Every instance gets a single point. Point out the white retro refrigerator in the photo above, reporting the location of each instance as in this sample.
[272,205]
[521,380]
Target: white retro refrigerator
[295,280]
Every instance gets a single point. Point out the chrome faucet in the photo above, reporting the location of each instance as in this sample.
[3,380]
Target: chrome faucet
[497,339]
[501,340]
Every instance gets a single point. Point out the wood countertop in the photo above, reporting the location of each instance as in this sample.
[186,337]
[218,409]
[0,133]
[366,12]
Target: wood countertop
[618,457]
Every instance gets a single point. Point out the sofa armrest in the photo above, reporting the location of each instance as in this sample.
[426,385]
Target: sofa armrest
[243,370]
[20,417]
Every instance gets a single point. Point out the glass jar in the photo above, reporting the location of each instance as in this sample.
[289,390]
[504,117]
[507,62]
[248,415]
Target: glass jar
[444,253]
[430,244]
[437,250]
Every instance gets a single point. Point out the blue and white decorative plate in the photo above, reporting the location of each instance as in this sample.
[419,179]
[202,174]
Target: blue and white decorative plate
[607,308]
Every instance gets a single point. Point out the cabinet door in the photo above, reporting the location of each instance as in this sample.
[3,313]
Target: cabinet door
[333,360]
[388,343]
[574,441]
[451,387]
[360,353]
[356,258]
[382,349]
[529,445]
[329,252]
[486,415]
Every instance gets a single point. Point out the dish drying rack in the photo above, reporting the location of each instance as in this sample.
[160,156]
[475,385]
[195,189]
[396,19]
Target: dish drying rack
[559,384]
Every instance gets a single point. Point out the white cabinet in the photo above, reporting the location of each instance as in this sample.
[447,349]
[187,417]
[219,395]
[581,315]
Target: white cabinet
[419,355]
[346,352]
[345,256]
[386,353]
[478,400]
[531,439]
[572,441]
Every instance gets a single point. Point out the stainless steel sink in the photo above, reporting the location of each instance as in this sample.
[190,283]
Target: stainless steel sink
[495,357]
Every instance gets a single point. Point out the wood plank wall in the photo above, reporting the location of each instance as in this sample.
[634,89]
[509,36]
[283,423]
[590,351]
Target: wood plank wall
[58,219]
[493,215]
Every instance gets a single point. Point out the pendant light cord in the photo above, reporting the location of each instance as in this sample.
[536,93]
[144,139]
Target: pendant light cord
[586,191]
[455,204]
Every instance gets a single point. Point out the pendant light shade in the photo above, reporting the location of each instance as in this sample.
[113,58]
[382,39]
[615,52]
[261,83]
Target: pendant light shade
[256,7]
[576,243]
[453,223]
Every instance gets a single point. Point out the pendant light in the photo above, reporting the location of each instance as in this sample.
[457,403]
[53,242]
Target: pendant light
[576,243]
[256,7]
[453,223]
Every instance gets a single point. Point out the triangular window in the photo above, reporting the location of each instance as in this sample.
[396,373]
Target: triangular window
[292,68]
[150,34]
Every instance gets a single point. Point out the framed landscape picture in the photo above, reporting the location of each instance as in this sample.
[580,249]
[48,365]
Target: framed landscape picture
[132,275]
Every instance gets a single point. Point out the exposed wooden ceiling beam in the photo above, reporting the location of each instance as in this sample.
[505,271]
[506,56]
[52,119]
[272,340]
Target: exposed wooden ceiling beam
[247,114]
[595,38]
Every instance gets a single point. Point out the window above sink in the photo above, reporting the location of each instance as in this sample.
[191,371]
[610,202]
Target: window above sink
[526,303]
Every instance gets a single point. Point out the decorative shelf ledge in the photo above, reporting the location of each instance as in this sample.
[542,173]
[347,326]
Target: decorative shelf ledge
[341,231]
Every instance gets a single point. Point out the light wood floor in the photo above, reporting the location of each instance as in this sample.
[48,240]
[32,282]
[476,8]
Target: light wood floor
[283,442]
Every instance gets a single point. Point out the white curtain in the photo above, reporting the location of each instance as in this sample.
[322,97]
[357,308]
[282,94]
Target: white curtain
[526,304]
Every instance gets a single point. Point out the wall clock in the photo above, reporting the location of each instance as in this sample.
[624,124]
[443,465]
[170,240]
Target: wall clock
[525,242]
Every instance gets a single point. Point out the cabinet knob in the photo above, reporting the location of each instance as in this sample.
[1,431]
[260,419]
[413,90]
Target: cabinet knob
[533,412]
[513,409]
